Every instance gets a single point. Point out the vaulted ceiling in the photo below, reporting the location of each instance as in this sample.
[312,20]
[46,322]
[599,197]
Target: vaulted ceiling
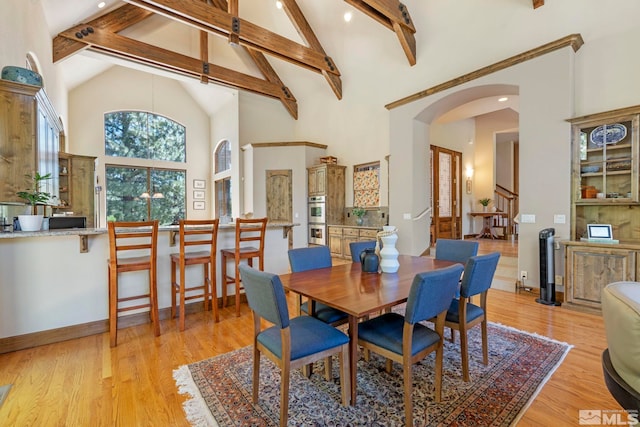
[114,33]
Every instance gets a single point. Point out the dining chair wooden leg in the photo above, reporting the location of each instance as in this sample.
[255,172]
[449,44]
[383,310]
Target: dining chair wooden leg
[388,366]
[307,370]
[408,390]
[464,353]
[256,373]
[328,368]
[439,358]
[485,344]
[284,392]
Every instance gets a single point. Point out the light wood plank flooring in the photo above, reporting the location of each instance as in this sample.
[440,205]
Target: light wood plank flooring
[84,382]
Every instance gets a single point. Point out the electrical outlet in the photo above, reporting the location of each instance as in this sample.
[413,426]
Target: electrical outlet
[523,275]
[559,279]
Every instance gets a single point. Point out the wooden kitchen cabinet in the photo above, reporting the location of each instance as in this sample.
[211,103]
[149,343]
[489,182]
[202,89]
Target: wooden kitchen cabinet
[328,180]
[77,186]
[591,266]
[29,139]
[335,241]
[341,236]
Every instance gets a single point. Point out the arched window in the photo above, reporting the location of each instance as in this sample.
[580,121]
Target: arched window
[135,192]
[223,157]
[222,180]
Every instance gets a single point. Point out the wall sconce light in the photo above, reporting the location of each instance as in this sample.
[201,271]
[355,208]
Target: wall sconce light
[469,182]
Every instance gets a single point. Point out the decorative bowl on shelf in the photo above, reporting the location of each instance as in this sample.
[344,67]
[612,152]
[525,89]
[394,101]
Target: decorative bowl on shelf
[21,75]
[608,134]
[590,169]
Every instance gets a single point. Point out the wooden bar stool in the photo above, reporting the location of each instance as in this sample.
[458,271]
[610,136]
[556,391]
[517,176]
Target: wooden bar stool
[141,237]
[247,230]
[202,233]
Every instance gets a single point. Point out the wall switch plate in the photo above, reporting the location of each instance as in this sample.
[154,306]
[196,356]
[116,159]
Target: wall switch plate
[559,219]
[406,216]
[528,218]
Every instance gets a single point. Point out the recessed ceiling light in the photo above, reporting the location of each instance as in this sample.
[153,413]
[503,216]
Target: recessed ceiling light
[347,16]
[279,4]
[503,99]
[101,5]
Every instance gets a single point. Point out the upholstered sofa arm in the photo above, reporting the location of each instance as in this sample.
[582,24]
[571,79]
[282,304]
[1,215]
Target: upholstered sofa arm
[621,312]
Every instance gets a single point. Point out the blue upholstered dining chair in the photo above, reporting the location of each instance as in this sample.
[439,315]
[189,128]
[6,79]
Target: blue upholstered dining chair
[311,258]
[356,248]
[456,250]
[289,343]
[463,315]
[404,340]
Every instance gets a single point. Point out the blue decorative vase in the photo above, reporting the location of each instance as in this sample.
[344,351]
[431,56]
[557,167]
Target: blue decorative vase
[369,260]
[21,75]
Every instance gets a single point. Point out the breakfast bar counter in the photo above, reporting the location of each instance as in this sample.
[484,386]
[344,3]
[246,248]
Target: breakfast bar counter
[51,291]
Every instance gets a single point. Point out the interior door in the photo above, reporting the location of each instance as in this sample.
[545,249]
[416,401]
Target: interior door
[446,194]
[280,197]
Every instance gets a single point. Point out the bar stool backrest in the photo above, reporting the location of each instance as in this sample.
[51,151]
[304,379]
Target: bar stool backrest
[125,236]
[198,232]
[253,231]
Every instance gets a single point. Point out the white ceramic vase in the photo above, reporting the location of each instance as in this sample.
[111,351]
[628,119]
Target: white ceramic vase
[30,222]
[389,254]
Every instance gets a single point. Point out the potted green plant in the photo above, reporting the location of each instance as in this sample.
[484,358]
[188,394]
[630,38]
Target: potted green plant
[358,213]
[485,202]
[33,196]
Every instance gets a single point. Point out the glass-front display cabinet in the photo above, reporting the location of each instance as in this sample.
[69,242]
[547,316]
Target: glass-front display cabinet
[605,173]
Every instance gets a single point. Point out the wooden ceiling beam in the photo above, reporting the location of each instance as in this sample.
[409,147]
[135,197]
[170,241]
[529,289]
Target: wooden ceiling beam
[216,21]
[270,74]
[307,34]
[538,3]
[394,15]
[267,70]
[124,47]
[114,21]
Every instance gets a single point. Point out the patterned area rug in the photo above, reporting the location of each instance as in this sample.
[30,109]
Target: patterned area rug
[497,395]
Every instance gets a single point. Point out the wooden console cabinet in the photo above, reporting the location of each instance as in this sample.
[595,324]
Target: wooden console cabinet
[590,267]
[605,189]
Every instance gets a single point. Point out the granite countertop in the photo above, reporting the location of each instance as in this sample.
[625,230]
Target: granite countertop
[364,227]
[96,231]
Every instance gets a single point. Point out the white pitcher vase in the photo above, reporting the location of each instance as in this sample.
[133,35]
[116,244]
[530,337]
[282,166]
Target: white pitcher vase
[389,254]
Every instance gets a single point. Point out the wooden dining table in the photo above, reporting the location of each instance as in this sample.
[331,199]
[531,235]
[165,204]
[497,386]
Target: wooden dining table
[345,287]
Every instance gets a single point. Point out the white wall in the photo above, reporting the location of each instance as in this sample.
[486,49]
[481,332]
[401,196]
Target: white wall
[294,158]
[121,88]
[23,29]
[545,85]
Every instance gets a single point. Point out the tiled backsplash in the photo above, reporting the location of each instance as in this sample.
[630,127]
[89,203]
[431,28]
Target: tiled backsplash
[376,217]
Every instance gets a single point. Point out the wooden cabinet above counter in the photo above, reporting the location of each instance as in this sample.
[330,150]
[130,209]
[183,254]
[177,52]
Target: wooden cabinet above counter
[340,237]
[29,139]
